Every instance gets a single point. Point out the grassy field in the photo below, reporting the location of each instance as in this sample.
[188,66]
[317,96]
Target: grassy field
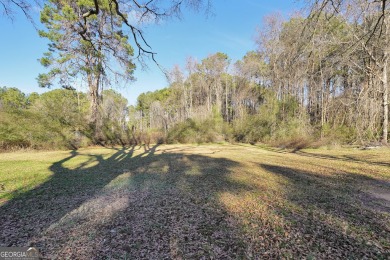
[192,202]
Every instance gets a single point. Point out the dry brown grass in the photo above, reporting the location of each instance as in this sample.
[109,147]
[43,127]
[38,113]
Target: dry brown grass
[191,202]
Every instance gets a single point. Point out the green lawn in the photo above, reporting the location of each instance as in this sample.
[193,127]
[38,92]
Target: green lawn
[189,202]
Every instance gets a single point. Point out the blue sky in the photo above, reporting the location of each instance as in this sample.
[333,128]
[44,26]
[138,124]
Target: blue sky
[231,30]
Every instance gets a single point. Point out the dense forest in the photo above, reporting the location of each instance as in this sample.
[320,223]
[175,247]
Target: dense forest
[312,80]
[321,80]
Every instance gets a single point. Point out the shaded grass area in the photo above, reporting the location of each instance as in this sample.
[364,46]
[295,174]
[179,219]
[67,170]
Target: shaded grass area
[211,201]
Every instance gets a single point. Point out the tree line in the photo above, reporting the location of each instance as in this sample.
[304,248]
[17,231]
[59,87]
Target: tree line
[58,119]
[97,41]
[323,78]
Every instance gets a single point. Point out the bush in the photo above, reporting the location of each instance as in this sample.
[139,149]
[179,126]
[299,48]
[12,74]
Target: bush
[185,132]
[339,134]
[278,123]
[193,131]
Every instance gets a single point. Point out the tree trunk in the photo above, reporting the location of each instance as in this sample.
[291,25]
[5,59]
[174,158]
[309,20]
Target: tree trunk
[226,100]
[385,100]
[94,108]
[385,82]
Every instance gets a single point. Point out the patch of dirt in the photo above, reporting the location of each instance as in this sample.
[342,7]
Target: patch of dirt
[377,196]
[190,150]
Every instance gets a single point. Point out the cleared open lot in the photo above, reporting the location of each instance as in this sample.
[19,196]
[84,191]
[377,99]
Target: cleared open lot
[188,201]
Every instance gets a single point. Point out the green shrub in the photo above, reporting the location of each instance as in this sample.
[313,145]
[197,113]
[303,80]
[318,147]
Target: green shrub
[185,132]
[338,134]
[194,131]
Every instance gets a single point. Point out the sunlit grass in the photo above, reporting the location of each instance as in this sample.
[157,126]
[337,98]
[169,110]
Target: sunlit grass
[20,176]
[22,171]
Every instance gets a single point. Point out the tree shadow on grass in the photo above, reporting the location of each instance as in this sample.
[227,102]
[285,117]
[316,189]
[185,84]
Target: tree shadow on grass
[143,205]
[329,214]
[30,213]
[165,203]
[166,206]
[343,158]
